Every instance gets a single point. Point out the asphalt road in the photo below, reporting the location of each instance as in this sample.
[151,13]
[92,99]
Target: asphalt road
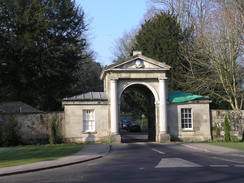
[144,162]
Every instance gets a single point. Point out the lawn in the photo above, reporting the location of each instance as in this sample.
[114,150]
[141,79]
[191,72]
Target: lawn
[30,154]
[233,145]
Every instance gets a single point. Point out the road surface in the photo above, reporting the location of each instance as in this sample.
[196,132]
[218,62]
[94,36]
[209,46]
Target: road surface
[144,162]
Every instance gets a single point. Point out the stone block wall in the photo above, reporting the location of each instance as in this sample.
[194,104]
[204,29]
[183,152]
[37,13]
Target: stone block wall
[201,122]
[33,127]
[73,127]
[236,123]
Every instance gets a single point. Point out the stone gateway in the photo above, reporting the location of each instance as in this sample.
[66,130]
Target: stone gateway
[94,116]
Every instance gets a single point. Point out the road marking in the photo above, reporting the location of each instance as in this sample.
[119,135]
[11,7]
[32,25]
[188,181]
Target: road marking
[241,166]
[92,164]
[219,165]
[160,152]
[196,148]
[175,162]
[233,161]
[141,168]
[237,155]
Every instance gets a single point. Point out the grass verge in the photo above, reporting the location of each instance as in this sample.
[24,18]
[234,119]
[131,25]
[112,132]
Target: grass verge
[30,154]
[233,145]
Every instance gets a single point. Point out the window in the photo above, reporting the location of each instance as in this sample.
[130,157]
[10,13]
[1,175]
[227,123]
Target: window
[88,120]
[186,119]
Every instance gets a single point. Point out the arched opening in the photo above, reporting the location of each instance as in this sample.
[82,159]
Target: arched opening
[137,114]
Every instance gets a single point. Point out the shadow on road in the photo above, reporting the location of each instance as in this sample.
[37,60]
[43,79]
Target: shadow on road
[133,137]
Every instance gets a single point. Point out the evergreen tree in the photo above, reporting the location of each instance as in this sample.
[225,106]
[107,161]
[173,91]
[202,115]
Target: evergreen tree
[88,77]
[159,38]
[42,43]
[227,129]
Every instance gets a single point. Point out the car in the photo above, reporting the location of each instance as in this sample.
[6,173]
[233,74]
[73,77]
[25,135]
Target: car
[130,126]
[124,124]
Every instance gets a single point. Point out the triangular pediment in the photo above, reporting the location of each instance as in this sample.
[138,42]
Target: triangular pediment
[139,62]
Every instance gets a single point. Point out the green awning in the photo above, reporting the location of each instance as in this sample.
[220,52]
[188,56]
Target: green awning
[178,96]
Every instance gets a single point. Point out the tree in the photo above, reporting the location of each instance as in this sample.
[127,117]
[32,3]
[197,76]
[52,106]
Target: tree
[52,130]
[41,45]
[188,12]
[227,129]
[9,133]
[88,76]
[160,38]
[135,99]
[214,49]
[220,42]
[125,45]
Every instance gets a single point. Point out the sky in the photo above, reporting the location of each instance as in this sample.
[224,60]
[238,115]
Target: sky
[108,20]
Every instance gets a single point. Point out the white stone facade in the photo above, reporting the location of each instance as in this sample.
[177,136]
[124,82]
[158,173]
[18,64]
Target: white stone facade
[139,70]
[73,126]
[200,121]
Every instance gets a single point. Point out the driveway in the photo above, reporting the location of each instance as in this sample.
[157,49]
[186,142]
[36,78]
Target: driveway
[132,137]
[145,162]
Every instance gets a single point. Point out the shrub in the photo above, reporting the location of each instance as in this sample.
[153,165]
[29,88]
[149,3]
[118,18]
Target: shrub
[227,137]
[9,133]
[234,138]
[53,130]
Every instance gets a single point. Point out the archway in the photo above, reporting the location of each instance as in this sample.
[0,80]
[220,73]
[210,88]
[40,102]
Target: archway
[137,113]
[137,70]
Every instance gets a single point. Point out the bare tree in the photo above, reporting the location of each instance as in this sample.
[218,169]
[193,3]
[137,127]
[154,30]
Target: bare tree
[124,46]
[215,50]
[189,12]
[220,44]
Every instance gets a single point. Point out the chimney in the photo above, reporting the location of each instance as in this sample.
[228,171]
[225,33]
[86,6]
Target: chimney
[137,53]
